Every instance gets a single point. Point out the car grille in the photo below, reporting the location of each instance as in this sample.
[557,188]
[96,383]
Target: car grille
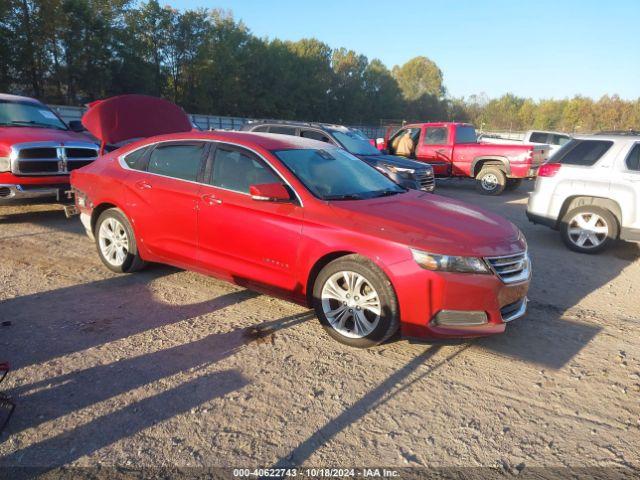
[51,159]
[511,268]
[513,310]
[426,180]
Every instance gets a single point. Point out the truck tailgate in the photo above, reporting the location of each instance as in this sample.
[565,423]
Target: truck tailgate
[540,155]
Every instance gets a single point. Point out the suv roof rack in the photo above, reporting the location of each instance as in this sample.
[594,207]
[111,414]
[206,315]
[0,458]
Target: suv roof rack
[296,123]
[630,133]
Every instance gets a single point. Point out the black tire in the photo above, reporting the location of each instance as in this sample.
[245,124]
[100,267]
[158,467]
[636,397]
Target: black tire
[606,219]
[132,260]
[513,183]
[389,318]
[491,180]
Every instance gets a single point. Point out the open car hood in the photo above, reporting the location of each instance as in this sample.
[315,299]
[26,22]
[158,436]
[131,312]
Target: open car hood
[126,117]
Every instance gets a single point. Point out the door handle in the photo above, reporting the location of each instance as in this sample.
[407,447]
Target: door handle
[143,185]
[211,200]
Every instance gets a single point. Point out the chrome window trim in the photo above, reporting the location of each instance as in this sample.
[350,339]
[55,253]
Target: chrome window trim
[124,165]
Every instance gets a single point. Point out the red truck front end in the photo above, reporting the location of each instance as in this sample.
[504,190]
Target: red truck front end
[37,150]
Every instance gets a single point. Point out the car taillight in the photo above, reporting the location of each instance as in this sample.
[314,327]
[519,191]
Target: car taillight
[549,169]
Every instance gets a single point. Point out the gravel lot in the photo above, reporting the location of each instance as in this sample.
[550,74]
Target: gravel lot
[173,368]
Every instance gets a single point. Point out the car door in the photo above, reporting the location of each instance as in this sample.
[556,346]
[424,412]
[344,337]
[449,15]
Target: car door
[253,243]
[435,148]
[163,197]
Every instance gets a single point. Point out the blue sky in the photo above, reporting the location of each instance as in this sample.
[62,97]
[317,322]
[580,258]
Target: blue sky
[538,49]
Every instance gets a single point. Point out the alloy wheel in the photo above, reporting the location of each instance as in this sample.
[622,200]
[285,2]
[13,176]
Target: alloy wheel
[113,241]
[588,230]
[489,181]
[351,304]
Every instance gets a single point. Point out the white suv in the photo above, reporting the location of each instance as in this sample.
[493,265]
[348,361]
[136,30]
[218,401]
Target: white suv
[590,191]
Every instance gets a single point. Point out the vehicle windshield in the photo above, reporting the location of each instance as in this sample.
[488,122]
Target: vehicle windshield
[354,141]
[466,135]
[334,174]
[22,114]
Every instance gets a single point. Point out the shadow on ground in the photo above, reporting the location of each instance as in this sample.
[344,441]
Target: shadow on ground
[550,334]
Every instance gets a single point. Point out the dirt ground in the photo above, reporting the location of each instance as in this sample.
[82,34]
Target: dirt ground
[171,368]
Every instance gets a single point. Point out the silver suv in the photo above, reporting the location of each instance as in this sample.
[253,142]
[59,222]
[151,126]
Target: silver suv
[590,191]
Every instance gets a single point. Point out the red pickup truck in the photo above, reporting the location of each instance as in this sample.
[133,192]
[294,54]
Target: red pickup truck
[37,150]
[454,151]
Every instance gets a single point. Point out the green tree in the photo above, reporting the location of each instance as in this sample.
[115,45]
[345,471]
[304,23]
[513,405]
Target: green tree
[419,76]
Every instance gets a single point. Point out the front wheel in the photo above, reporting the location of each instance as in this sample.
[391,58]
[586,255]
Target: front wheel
[588,229]
[355,302]
[116,242]
[491,180]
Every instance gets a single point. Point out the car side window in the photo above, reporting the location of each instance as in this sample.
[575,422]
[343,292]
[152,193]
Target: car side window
[282,130]
[559,139]
[133,159]
[263,128]
[633,160]
[538,137]
[435,136]
[315,135]
[585,153]
[237,171]
[176,161]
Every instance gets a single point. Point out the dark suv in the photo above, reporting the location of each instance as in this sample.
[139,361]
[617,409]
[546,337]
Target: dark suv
[405,172]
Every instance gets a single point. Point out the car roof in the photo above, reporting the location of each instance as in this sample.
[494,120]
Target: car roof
[612,137]
[436,124]
[17,98]
[267,141]
[293,123]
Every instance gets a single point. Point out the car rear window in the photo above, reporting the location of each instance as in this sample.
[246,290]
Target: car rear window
[583,152]
[538,137]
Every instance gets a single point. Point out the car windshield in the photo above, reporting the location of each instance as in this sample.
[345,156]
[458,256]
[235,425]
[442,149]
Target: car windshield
[22,114]
[466,135]
[354,141]
[334,174]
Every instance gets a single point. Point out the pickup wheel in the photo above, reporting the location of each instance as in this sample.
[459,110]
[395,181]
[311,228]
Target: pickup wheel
[491,180]
[355,302]
[513,183]
[588,229]
[116,242]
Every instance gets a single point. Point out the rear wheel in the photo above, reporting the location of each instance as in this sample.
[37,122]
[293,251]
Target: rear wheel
[355,302]
[116,242]
[491,180]
[513,183]
[588,229]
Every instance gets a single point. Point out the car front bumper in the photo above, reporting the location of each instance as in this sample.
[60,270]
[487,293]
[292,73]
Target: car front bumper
[456,305]
[19,192]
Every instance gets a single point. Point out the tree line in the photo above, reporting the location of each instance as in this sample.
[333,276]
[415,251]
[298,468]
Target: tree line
[75,51]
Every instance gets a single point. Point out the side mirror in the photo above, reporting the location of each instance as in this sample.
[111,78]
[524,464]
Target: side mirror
[76,126]
[270,192]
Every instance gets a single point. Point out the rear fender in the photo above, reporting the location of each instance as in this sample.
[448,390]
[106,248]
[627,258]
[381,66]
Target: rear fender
[478,162]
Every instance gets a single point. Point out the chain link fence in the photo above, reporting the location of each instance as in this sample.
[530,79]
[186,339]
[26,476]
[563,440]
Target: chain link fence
[206,122]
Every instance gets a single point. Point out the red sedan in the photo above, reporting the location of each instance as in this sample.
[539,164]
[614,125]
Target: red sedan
[310,223]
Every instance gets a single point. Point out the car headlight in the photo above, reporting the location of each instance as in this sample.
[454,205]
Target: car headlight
[448,263]
[5,164]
